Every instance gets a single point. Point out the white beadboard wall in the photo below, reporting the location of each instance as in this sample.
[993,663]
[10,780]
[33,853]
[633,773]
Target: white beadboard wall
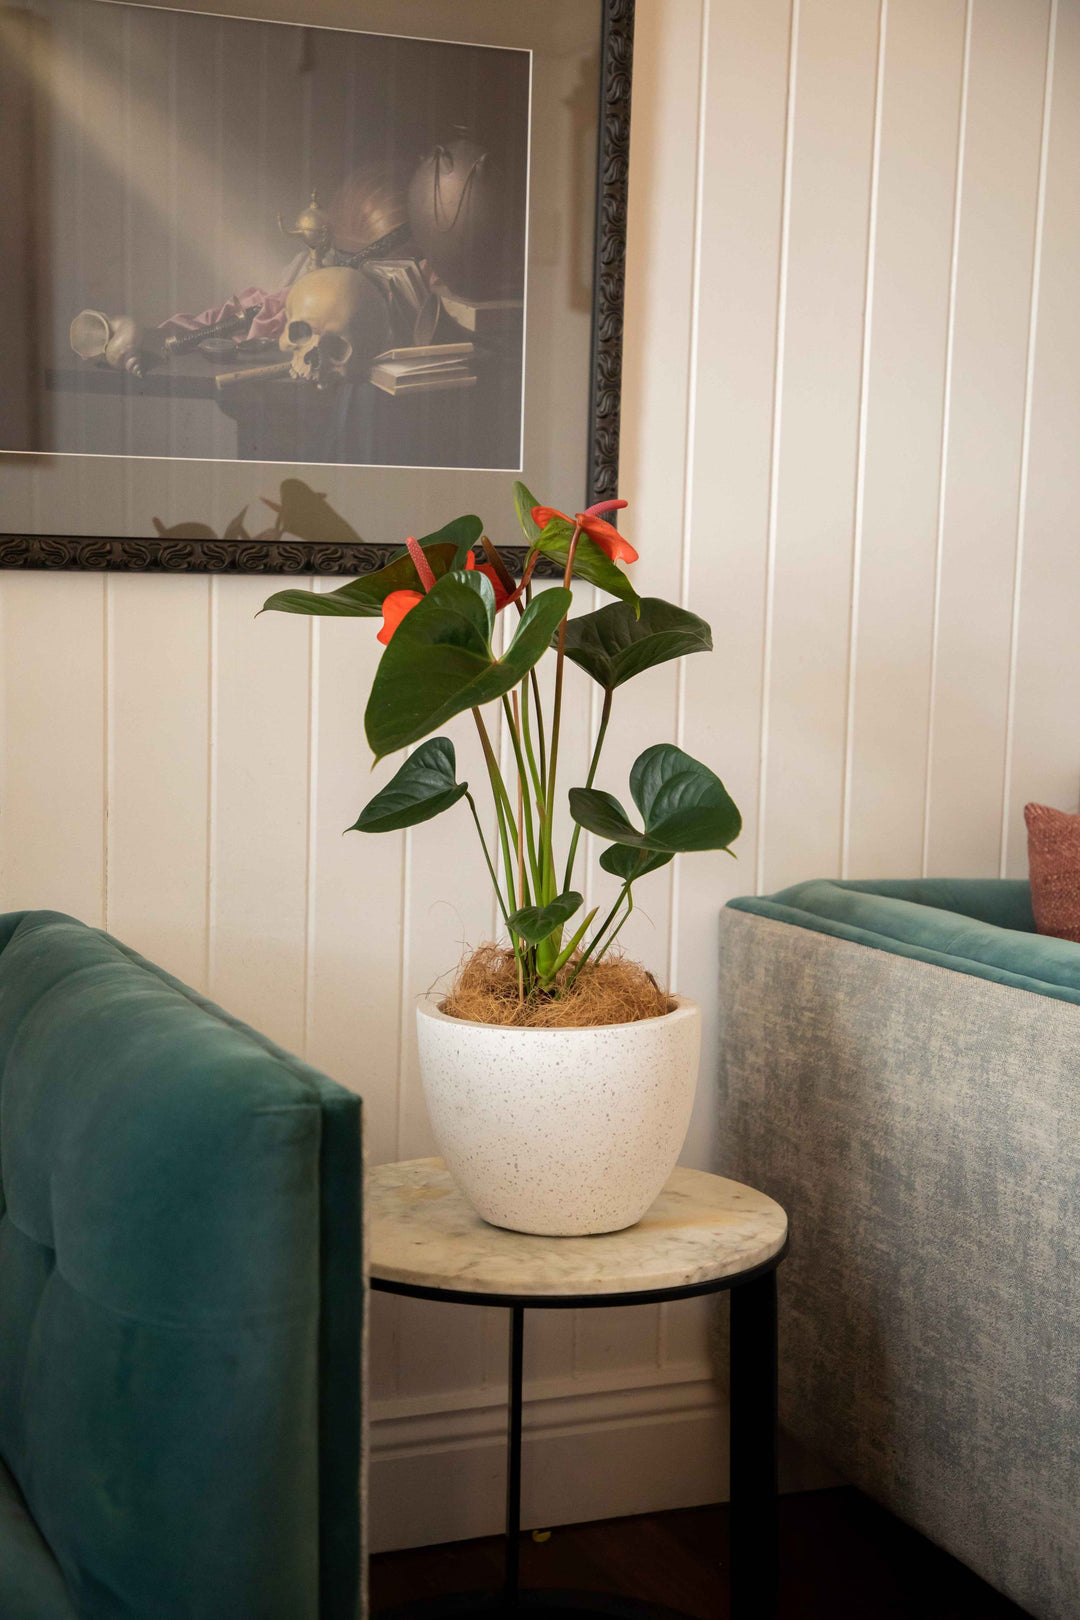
[852,417]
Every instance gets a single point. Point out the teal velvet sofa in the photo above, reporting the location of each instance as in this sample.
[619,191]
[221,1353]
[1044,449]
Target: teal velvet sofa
[181,1301]
[901,1068]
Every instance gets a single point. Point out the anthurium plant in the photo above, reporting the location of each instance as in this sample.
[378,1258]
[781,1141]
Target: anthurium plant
[438,602]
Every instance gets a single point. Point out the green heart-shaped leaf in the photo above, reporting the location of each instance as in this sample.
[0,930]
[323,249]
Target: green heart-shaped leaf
[602,814]
[614,644]
[536,923]
[630,864]
[590,563]
[524,501]
[685,806]
[439,662]
[424,787]
[363,598]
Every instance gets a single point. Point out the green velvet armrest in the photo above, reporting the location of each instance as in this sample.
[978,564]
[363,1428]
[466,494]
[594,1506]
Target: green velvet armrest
[983,927]
[181,1277]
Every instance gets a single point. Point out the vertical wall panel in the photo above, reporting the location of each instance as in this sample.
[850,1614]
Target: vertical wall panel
[52,775]
[741,211]
[159,685]
[356,891]
[983,445]
[52,786]
[260,757]
[905,393]
[1045,724]
[728,482]
[818,421]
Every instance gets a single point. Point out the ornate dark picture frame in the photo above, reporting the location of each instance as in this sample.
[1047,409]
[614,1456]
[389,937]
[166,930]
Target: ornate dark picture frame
[286,555]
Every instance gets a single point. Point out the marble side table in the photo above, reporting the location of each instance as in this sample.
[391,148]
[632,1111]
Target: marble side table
[703,1234]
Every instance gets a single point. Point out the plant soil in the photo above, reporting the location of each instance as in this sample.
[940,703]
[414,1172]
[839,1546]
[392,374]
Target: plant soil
[614,991]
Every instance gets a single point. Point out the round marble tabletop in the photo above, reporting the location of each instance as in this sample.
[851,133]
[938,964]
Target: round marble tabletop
[702,1228]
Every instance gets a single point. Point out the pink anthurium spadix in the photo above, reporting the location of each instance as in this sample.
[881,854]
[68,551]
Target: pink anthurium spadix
[398,603]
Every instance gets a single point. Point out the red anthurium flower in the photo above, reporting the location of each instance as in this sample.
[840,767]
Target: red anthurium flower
[592,523]
[398,603]
[502,595]
[394,608]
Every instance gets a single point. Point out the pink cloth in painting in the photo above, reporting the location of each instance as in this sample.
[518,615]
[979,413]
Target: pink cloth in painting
[269,323]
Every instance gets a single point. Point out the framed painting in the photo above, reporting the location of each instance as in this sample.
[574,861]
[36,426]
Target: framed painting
[284,288]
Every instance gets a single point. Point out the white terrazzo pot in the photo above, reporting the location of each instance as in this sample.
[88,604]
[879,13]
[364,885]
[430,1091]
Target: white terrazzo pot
[562,1132]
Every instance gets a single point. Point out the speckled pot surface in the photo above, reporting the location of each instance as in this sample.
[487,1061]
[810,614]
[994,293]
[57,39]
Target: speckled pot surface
[562,1132]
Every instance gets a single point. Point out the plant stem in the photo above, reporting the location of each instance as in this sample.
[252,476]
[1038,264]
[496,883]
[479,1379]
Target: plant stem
[521,844]
[521,881]
[537,776]
[556,711]
[508,862]
[593,763]
[512,718]
[571,946]
[526,737]
[615,931]
[502,808]
[600,932]
[541,741]
[498,786]
[487,857]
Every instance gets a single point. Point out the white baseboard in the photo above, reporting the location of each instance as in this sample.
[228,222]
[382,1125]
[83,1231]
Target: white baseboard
[637,1444]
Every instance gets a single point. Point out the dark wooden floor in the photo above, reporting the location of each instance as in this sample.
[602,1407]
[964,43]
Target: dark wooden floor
[842,1556]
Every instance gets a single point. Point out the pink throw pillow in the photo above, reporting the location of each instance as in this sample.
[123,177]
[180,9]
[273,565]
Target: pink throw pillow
[1054,869]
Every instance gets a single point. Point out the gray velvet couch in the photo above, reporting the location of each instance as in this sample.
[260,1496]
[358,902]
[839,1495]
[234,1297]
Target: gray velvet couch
[901,1069]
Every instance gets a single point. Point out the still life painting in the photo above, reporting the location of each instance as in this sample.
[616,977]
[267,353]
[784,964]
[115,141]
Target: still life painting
[257,241]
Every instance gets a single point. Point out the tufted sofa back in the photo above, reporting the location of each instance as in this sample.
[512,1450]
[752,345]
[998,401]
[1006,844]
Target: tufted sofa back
[180,1301]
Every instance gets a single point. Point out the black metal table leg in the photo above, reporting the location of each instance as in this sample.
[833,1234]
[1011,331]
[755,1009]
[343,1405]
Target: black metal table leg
[754,1520]
[754,1523]
[513,1457]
